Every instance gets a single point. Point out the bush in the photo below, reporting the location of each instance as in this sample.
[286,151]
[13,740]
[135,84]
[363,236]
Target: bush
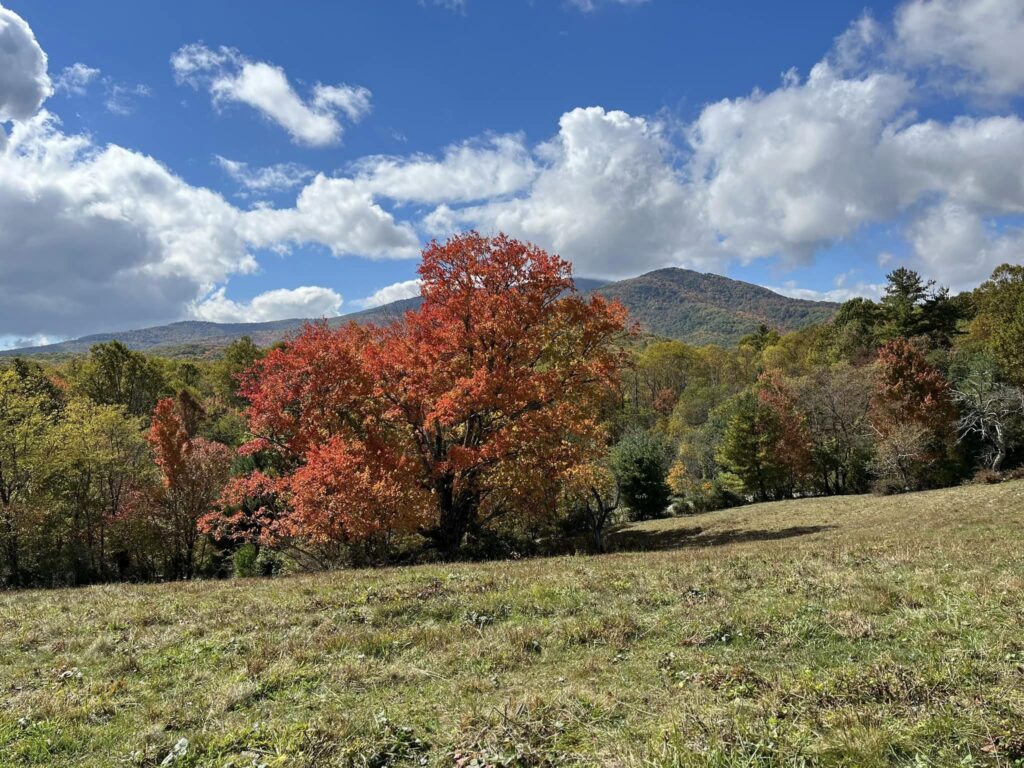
[251,561]
[640,463]
[245,561]
[987,476]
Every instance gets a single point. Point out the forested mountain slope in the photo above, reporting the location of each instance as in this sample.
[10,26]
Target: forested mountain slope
[695,307]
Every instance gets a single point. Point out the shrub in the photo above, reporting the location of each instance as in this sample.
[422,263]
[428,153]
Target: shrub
[640,463]
[245,561]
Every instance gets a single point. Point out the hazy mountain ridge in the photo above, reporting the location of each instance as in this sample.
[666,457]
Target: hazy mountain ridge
[696,307]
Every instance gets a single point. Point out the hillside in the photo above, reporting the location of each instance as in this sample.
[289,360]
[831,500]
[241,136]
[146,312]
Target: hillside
[699,308]
[704,308]
[863,631]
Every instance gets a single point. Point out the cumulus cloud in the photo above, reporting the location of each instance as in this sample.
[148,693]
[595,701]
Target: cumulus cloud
[308,301]
[24,83]
[785,173]
[337,213]
[75,80]
[231,77]
[271,178]
[607,196]
[956,246]
[389,293]
[975,44]
[471,170]
[95,238]
[101,238]
[795,169]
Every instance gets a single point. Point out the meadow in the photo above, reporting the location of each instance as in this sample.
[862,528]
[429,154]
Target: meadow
[855,631]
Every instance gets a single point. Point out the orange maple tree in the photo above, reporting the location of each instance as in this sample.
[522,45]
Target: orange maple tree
[462,411]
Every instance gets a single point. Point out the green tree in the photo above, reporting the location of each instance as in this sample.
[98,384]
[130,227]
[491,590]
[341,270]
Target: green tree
[103,458]
[239,356]
[112,374]
[26,453]
[913,307]
[998,326]
[640,464]
[750,449]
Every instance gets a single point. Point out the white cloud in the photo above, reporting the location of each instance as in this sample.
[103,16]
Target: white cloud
[471,170]
[589,6]
[955,246]
[120,98]
[272,178]
[230,76]
[337,213]
[975,44]
[838,294]
[99,238]
[458,6]
[308,301]
[24,84]
[798,168]
[353,101]
[972,162]
[75,80]
[389,293]
[607,197]
[105,238]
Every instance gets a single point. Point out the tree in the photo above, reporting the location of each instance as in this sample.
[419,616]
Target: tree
[912,409]
[112,374]
[592,492]
[836,403]
[640,464]
[901,306]
[991,411]
[913,307]
[26,450]
[103,458]
[239,356]
[750,449]
[792,450]
[194,473]
[999,322]
[854,331]
[448,419]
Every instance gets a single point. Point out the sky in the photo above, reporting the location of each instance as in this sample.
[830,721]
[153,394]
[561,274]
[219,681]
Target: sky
[254,161]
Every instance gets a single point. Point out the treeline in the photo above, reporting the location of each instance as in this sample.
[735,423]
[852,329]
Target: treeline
[93,486]
[918,390]
[505,415]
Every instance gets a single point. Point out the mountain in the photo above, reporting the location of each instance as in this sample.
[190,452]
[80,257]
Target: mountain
[696,307]
[704,308]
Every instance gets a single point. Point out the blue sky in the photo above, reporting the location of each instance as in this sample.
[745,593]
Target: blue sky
[805,146]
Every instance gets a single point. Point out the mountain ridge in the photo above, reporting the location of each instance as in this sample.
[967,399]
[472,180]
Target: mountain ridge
[695,307]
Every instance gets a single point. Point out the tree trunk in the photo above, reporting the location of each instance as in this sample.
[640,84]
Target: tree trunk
[457,512]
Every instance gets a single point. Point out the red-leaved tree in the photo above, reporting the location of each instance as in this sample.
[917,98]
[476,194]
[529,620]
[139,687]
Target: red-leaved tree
[193,471]
[912,414]
[464,410]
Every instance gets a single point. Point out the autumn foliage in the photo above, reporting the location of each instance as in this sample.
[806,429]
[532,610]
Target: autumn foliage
[193,474]
[466,410]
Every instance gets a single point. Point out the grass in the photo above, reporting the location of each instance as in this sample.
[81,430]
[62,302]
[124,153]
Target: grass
[855,631]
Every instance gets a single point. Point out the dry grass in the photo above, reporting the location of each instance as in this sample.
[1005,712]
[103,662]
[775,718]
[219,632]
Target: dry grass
[856,631]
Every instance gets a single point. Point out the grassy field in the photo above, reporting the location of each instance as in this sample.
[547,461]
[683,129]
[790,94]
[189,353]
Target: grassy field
[856,631]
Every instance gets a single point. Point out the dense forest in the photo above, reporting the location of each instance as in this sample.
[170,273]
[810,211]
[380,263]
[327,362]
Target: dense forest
[503,415]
